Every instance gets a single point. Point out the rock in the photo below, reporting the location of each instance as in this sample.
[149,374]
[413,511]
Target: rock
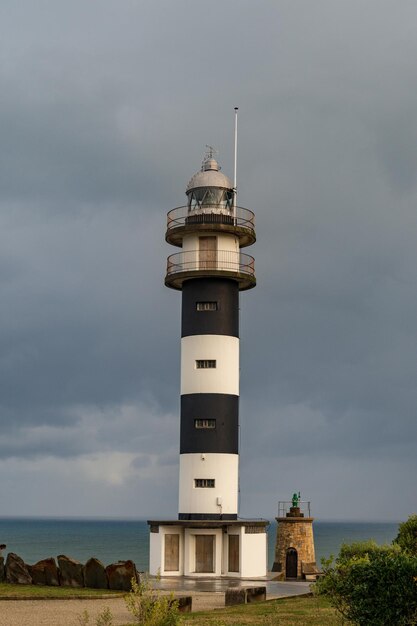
[70,572]
[17,571]
[95,574]
[2,573]
[120,575]
[45,572]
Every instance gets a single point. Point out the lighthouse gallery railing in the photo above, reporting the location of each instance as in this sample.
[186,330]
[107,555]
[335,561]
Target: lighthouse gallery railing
[210,214]
[216,260]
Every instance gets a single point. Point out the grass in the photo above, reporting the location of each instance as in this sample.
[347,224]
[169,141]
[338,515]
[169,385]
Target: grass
[39,591]
[297,611]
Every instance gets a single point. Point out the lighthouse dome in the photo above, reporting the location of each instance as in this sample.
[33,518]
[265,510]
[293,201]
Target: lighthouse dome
[209,176]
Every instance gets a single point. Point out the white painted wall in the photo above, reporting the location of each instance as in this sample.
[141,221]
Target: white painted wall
[224,378]
[227,252]
[224,241]
[223,468]
[157,551]
[227,242]
[155,554]
[253,555]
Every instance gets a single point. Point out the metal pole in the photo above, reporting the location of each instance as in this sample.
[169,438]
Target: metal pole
[235,169]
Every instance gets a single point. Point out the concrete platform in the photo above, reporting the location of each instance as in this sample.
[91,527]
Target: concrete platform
[274,589]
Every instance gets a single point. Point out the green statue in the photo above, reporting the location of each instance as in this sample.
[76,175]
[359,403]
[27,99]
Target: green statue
[296,500]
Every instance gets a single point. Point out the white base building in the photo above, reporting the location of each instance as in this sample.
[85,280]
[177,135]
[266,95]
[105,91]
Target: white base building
[208,549]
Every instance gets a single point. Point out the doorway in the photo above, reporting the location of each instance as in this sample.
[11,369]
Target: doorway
[291,563]
[208,252]
[172,553]
[204,554]
[233,553]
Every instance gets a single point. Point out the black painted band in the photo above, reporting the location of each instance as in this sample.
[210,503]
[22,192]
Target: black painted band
[207,516]
[224,320]
[224,438]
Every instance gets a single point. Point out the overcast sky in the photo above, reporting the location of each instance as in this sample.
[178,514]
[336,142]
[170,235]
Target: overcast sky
[105,110]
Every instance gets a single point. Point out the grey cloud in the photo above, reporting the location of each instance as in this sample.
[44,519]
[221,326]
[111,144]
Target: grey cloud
[104,116]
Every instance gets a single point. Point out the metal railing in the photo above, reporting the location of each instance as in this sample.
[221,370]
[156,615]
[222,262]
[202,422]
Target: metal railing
[284,507]
[217,260]
[211,214]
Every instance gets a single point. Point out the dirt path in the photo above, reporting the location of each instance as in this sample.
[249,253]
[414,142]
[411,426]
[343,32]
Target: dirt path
[67,612]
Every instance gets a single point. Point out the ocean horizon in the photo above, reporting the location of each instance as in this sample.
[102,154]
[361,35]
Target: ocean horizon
[113,539]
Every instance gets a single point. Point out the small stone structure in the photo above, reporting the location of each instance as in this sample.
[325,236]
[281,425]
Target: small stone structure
[244,595]
[294,548]
[68,573]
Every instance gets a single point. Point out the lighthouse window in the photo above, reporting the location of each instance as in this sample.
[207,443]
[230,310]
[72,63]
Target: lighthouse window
[204,364]
[207,306]
[204,483]
[200,423]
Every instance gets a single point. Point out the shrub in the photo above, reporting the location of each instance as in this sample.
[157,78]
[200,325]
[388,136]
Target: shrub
[361,549]
[407,536]
[373,589]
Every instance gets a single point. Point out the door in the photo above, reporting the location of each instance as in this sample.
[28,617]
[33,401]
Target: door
[208,252]
[233,553]
[172,553]
[291,563]
[204,554]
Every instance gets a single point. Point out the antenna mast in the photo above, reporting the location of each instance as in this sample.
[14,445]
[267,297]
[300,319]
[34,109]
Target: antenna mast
[235,168]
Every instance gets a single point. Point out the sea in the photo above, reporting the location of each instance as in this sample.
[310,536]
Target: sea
[111,540]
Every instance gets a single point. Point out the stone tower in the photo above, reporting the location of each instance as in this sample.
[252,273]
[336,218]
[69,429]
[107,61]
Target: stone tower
[294,546]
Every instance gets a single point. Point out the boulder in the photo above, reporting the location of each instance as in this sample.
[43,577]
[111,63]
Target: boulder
[2,574]
[95,574]
[45,572]
[17,572]
[70,572]
[120,575]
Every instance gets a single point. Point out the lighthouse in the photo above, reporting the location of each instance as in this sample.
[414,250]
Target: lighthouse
[208,538]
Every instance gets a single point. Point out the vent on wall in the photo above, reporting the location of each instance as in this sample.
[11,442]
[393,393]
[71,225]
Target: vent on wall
[207,306]
[207,423]
[204,364]
[203,483]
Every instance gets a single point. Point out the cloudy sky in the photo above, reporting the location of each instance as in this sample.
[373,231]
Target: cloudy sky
[105,110]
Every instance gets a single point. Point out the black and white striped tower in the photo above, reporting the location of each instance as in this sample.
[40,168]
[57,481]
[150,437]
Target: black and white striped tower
[210,271]
[209,538]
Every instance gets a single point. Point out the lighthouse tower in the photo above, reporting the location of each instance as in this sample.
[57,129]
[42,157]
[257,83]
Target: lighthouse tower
[209,538]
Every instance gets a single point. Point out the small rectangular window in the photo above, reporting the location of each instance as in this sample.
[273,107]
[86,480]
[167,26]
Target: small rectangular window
[204,483]
[204,364]
[207,306]
[200,423]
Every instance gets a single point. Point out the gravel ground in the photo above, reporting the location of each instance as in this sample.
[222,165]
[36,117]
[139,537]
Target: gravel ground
[67,612]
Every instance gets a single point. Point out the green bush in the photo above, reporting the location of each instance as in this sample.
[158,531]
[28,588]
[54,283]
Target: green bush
[407,536]
[361,549]
[376,588]
[149,607]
